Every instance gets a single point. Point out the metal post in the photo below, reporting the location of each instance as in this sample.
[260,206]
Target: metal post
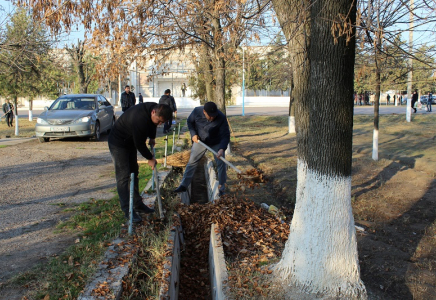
[152,182]
[178,134]
[174,139]
[410,65]
[159,200]
[243,82]
[132,183]
[166,148]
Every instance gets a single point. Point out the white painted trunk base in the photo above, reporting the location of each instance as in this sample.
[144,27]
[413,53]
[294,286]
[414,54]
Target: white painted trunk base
[30,115]
[320,256]
[16,126]
[292,124]
[408,110]
[375,145]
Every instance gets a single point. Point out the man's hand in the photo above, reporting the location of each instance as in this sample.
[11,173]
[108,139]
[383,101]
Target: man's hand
[152,142]
[195,139]
[220,153]
[152,163]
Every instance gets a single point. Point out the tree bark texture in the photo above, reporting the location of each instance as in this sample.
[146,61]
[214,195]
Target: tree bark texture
[219,63]
[376,100]
[207,70]
[320,256]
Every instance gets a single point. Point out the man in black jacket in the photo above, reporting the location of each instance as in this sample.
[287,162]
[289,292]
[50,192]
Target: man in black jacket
[127,99]
[128,136]
[168,100]
[140,98]
[414,99]
[8,110]
[209,125]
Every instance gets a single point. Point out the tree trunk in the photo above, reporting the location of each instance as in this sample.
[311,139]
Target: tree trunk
[320,256]
[30,110]
[208,72]
[17,132]
[376,100]
[292,109]
[219,63]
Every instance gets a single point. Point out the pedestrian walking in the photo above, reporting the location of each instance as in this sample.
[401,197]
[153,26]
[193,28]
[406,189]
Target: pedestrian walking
[128,136]
[140,98]
[168,100]
[430,99]
[8,110]
[414,100]
[388,99]
[183,89]
[127,98]
[209,125]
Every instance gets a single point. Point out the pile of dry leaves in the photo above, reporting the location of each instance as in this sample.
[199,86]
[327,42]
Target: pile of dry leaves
[250,235]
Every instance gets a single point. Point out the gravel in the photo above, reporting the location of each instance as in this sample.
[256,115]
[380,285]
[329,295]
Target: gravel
[38,181]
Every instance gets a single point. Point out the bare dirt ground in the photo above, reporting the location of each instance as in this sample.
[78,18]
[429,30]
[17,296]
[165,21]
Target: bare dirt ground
[393,198]
[38,181]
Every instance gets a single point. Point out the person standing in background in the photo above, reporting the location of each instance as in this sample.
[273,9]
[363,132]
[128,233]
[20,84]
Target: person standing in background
[8,110]
[430,99]
[140,98]
[183,89]
[168,100]
[128,99]
[414,100]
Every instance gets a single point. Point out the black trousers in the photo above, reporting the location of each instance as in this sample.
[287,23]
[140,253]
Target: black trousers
[125,162]
[9,119]
[167,124]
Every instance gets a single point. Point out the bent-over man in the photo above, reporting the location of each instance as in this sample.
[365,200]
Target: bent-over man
[128,136]
[209,125]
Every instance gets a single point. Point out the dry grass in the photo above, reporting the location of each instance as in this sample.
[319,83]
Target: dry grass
[26,128]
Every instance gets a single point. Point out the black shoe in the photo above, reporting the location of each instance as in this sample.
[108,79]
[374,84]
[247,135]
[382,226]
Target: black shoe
[135,217]
[180,189]
[142,208]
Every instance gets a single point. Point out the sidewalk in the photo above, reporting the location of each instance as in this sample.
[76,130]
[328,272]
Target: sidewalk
[14,141]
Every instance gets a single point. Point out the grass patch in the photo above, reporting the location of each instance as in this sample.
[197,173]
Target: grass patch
[26,128]
[3,146]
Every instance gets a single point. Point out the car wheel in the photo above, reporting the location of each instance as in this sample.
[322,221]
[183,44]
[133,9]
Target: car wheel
[112,125]
[97,133]
[43,139]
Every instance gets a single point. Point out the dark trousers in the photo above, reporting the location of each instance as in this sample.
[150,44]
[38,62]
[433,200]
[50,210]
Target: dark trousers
[9,119]
[125,162]
[413,104]
[167,124]
[429,105]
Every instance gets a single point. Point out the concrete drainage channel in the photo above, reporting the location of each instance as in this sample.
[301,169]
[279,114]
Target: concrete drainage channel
[111,275]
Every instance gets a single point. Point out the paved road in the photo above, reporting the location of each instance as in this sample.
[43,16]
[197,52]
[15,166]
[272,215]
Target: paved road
[269,111]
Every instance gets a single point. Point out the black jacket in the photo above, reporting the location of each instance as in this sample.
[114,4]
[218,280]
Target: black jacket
[128,100]
[140,99]
[210,133]
[132,129]
[415,97]
[5,108]
[168,100]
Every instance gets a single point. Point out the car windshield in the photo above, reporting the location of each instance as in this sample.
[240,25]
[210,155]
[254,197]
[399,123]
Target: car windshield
[73,104]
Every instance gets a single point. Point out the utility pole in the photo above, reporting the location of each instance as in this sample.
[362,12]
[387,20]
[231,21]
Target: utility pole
[409,75]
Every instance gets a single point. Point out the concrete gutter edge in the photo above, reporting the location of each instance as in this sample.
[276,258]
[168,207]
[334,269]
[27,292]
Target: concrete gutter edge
[217,265]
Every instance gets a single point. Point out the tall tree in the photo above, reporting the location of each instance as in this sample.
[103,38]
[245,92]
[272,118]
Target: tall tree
[154,28]
[320,256]
[23,56]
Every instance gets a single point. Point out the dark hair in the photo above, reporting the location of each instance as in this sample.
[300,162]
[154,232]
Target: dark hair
[127,86]
[167,91]
[164,111]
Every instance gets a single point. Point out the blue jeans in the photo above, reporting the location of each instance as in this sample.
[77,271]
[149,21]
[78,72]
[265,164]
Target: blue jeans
[125,162]
[429,106]
[197,152]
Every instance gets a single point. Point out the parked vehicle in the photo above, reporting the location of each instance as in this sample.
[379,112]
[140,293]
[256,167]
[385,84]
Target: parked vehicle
[424,99]
[82,115]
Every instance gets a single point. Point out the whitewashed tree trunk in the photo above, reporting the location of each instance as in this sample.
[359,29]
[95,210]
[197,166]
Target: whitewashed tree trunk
[16,126]
[408,110]
[375,145]
[322,213]
[320,256]
[30,115]
[291,124]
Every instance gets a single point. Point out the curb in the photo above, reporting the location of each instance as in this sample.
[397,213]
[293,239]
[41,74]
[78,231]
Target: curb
[217,265]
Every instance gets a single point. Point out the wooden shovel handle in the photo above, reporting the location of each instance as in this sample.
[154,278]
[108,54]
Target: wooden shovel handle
[222,158]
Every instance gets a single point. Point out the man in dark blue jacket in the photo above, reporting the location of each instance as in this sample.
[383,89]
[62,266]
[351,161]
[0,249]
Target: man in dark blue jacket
[127,137]
[171,102]
[209,125]
[127,99]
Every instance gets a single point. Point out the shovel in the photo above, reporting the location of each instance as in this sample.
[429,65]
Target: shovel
[222,158]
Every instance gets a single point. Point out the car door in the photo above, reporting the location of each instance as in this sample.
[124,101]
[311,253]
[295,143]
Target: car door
[110,110]
[102,114]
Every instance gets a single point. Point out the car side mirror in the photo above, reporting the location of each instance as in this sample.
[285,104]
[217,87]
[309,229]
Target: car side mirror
[45,107]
